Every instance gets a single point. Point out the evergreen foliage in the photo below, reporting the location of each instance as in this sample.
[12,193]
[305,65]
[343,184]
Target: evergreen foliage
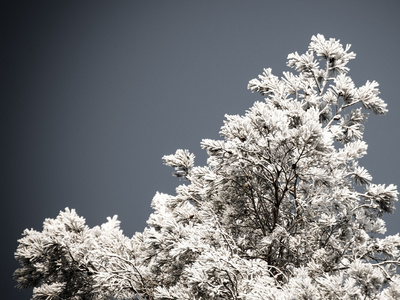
[283,209]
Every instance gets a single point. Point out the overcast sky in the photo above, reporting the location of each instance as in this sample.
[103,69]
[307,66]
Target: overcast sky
[94,93]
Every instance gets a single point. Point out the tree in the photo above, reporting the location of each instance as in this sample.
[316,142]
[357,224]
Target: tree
[283,209]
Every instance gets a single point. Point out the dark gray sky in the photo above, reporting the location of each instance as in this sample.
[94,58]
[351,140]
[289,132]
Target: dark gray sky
[94,93]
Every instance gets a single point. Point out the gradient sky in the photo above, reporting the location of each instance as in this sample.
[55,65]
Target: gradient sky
[94,93]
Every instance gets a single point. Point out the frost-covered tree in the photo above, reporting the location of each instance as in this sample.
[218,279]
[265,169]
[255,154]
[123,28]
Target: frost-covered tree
[283,209]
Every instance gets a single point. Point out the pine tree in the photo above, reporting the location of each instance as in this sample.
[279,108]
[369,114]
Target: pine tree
[282,210]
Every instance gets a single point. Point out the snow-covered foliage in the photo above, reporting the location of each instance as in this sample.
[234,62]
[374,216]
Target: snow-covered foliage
[283,209]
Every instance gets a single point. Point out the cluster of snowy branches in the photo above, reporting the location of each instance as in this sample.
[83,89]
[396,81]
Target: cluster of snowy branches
[283,209]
